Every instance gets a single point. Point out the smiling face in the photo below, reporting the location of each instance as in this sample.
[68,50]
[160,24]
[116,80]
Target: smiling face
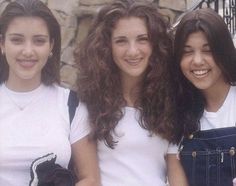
[198,65]
[131,47]
[26,46]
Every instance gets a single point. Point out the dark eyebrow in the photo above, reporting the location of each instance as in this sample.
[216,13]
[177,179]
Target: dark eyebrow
[204,45]
[187,46]
[21,35]
[143,35]
[45,36]
[124,37]
[119,37]
[15,34]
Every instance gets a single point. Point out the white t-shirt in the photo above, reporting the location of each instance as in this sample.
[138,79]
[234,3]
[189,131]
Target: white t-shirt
[138,158]
[224,117]
[32,125]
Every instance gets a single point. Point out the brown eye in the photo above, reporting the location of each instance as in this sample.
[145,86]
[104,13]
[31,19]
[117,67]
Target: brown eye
[118,41]
[206,50]
[143,39]
[187,51]
[40,41]
[17,40]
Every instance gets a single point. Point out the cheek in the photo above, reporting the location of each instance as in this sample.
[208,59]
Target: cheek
[149,52]
[219,71]
[147,49]
[116,61]
[43,52]
[117,53]
[9,50]
[183,65]
[10,54]
[185,68]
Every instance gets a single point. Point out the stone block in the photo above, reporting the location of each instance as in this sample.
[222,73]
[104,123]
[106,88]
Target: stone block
[83,27]
[87,10]
[65,6]
[3,5]
[94,2]
[67,56]
[173,4]
[69,76]
[170,15]
[67,36]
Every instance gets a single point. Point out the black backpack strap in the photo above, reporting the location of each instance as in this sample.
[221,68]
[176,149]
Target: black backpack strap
[72,103]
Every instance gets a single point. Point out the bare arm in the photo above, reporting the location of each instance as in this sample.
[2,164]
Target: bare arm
[176,175]
[84,156]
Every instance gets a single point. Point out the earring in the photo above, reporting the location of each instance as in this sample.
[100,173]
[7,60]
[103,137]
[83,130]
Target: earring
[50,55]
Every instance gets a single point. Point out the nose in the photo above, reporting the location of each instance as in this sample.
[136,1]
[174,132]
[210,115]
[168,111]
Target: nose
[198,58]
[132,50]
[28,49]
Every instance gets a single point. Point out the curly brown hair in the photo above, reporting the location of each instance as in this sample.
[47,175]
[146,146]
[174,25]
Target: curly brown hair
[99,83]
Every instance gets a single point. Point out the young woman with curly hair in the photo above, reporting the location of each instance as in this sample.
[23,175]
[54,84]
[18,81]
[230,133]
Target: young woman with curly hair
[125,81]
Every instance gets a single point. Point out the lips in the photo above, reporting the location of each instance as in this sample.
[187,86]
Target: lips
[200,73]
[133,62]
[26,63]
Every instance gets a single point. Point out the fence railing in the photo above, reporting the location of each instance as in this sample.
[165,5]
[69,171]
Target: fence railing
[226,8]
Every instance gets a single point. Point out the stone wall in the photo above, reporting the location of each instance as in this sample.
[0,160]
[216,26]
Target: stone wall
[75,17]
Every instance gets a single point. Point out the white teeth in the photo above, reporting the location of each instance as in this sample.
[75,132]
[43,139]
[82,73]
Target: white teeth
[200,72]
[133,61]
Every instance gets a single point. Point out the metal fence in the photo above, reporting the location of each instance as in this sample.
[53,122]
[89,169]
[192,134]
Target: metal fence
[226,8]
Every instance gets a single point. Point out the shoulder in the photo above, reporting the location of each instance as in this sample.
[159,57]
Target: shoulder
[57,93]
[233,88]
[61,89]
[80,124]
[81,110]
[232,93]
[62,93]
[57,89]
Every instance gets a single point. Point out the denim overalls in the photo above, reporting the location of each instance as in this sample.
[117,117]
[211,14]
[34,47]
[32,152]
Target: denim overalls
[209,157]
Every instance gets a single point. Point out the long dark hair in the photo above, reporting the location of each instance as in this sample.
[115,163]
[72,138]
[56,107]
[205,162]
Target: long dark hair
[99,84]
[191,102]
[31,8]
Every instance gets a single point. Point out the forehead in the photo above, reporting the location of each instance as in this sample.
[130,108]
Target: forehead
[198,37]
[27,25]
[129,26]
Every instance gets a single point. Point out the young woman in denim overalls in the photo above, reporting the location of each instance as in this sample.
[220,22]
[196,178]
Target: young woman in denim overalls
[205,69]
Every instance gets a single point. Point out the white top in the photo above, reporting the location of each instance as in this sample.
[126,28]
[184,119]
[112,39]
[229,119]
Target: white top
[224,117]
[32,125]
[138,159]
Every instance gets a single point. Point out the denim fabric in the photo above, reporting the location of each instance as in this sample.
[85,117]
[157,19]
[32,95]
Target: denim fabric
[209,157]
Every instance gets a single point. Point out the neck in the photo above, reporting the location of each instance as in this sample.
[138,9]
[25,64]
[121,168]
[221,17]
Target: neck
[216,98]
[22,85]
[131,89]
